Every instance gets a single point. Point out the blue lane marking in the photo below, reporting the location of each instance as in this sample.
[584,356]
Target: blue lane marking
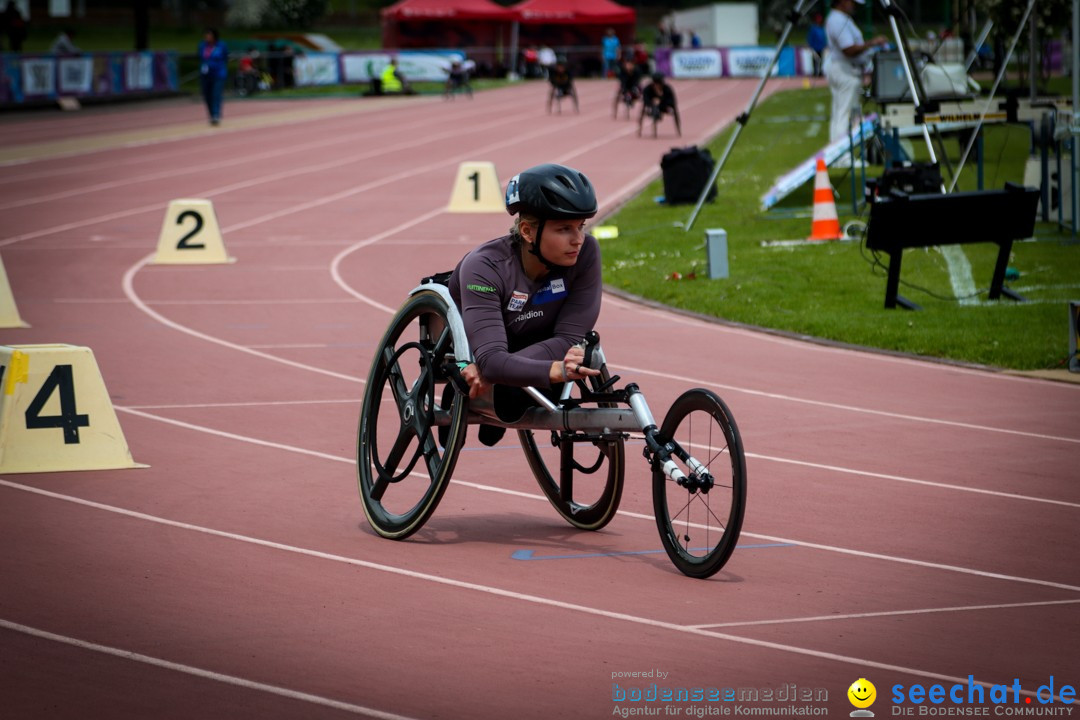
[528,554]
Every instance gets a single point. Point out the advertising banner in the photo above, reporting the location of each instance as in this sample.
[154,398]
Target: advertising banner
[316,68]
[76,75]
[39,77]
[361,67]
[700,63]
[751,62]
[139,71]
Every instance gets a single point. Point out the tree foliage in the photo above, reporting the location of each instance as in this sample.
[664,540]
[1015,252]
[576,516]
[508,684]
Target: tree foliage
[298,13]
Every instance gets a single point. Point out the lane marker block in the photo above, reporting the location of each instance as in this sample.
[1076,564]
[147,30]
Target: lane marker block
[477,189]
[9,314]
[190,235]
[55,413]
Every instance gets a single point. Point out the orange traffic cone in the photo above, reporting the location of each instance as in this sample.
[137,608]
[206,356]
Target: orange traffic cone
[825,225]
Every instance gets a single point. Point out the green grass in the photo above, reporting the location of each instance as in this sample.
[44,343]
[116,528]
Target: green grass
[831,290]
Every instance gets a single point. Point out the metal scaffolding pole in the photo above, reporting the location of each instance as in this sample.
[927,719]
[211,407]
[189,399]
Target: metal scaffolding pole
[793,17]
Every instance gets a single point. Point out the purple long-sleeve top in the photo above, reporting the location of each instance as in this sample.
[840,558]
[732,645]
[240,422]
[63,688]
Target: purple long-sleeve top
[517,326]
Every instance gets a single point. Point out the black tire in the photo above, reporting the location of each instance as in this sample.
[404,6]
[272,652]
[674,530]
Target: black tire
[700,529]
[589,498]
[398,433]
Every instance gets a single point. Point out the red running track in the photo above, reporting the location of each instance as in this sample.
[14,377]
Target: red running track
[908,522]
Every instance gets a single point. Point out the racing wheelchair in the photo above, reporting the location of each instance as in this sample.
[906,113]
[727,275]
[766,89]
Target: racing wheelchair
[416,410]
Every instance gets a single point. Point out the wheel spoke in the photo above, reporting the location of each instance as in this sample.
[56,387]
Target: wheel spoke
[442,345]
[401,444]
[709,510]
[430,451]
[395,379]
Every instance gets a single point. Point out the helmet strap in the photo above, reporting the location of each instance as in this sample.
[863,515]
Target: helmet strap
[534,246]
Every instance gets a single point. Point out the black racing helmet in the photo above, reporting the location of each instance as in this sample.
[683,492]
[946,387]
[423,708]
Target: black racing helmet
[551,192]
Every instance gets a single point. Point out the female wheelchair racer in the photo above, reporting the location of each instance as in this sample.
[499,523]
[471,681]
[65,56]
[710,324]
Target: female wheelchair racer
[505,341]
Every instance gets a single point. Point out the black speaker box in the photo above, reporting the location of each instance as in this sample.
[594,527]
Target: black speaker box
[686,171]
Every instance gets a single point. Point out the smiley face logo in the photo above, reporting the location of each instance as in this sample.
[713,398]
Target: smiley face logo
[862,693]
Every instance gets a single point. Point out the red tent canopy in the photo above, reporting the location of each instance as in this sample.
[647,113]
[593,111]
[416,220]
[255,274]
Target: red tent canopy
[446,10]
[479,27]
[590,12]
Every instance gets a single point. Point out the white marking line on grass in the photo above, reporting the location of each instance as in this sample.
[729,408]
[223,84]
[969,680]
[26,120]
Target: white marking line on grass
[495,591]
[839,406]
[963,284]
[129,291]
[640,516]
[200,672]
[890,613]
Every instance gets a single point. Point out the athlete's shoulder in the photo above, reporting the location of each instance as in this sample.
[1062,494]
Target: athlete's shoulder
[488,267]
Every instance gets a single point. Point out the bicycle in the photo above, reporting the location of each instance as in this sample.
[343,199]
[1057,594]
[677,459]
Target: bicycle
[698,503]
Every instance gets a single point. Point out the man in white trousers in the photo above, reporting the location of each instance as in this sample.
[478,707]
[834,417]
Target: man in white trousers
[845,62]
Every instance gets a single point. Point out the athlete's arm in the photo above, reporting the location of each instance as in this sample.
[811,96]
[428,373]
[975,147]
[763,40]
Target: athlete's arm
[481,311]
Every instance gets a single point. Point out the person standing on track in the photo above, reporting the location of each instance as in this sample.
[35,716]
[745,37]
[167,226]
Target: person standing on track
[213,69]
[527,298]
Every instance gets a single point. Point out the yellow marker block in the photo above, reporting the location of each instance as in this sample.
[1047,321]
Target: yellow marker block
[190,235]
[9,314]
[55,413]
[477,189]
[605,232]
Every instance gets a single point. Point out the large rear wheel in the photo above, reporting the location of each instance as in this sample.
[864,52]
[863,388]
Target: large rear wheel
[402,468]
[580,473]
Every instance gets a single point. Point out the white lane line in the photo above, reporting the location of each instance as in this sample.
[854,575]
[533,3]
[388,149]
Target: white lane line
[913,481]
[960,277]
[891,613]
[200,672]
[849,408]
[129,291]
[500,592]
[174,172]
[266,403]
[672,315]
[625,513]
[234,436]
[263,179]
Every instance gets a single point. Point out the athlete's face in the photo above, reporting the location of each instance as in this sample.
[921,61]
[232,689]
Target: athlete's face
[562,240]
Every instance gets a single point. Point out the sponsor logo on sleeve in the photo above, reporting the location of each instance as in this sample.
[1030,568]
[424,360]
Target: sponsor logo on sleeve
[517,301]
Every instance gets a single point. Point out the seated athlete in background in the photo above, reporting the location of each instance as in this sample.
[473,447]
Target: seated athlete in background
[562,84]
[658,98]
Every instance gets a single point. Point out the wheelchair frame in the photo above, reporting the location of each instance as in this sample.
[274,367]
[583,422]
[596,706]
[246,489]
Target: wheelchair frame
[442,349]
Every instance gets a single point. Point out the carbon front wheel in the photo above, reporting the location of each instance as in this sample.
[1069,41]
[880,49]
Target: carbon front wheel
[699,522]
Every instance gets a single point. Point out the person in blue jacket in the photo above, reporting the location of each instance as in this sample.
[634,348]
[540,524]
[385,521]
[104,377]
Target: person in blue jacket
[818,41]
[213,59]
